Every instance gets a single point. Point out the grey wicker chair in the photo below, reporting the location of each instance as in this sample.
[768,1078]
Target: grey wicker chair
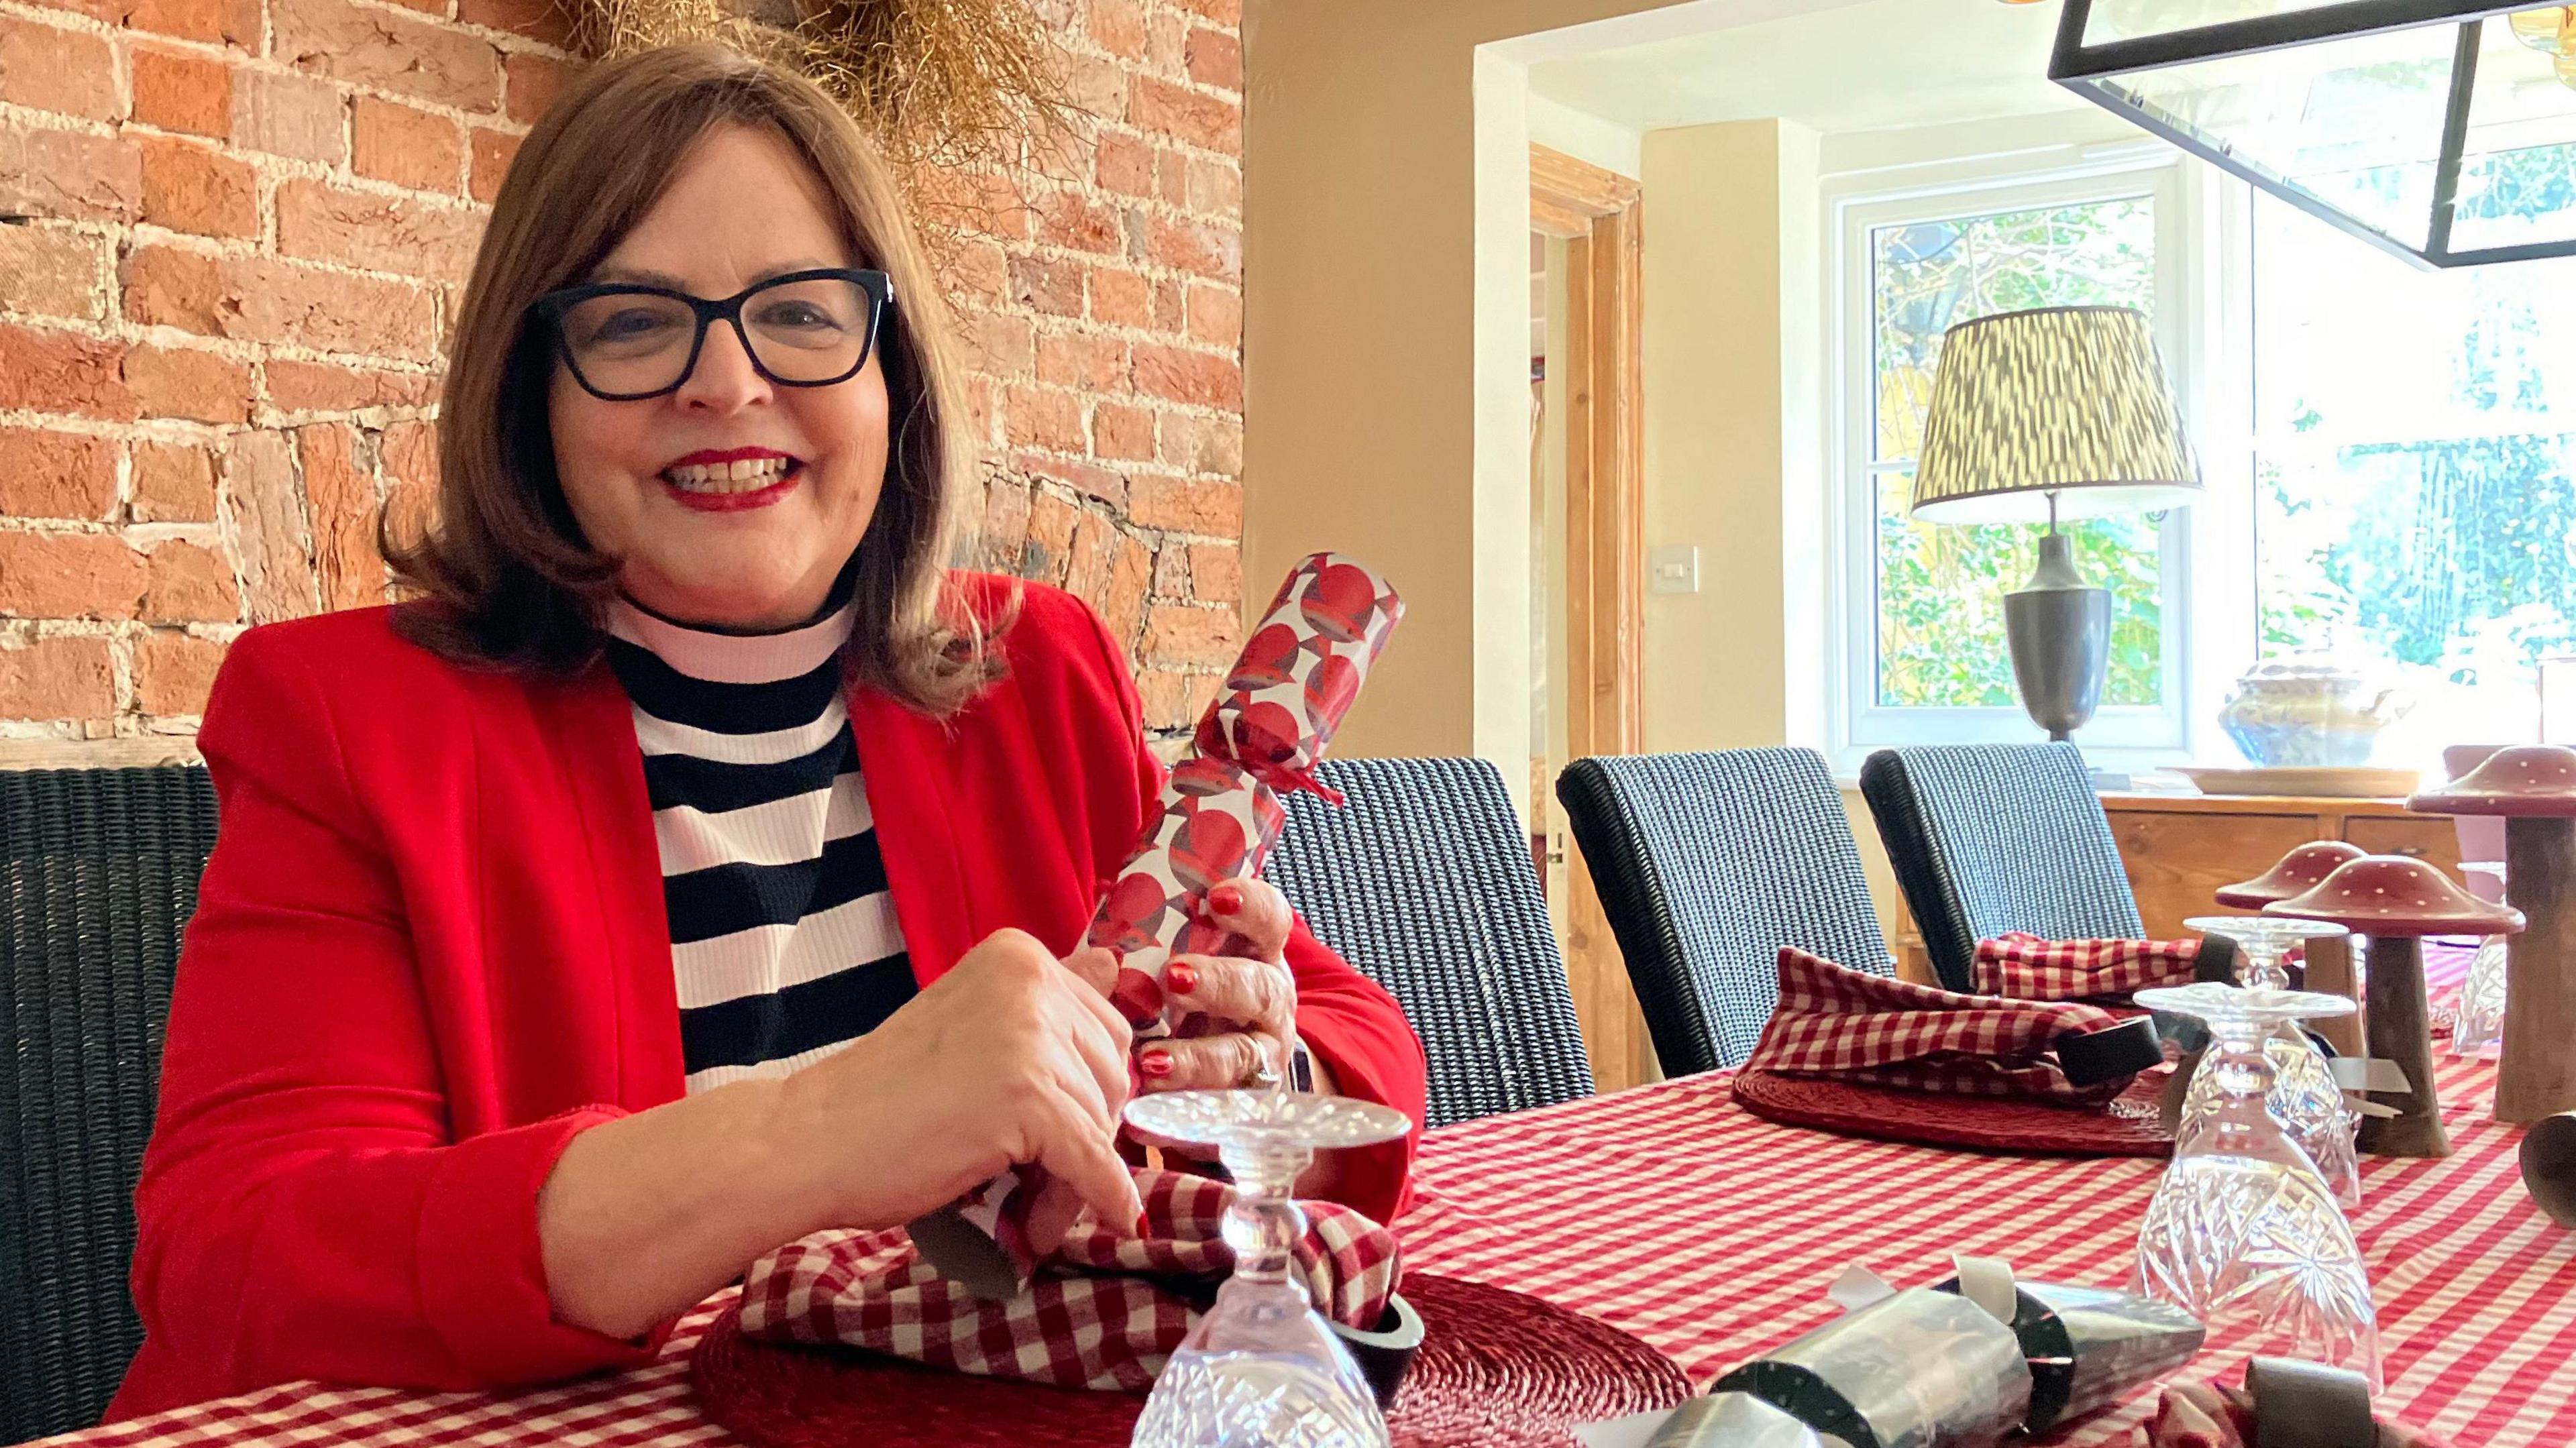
[1988,838]
[1706,865]
[98,876]
[1423,880]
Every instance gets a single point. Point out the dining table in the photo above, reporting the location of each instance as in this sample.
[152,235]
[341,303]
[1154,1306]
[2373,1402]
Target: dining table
[1670,1212]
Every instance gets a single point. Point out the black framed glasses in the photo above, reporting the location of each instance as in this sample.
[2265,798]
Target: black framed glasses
[628,342]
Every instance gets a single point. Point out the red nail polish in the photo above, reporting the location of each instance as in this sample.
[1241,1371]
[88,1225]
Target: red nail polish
[1181,976]
[1155,1063]
[1227,898]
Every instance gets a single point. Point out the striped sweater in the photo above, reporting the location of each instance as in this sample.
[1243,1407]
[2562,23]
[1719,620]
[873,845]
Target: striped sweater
[783,938]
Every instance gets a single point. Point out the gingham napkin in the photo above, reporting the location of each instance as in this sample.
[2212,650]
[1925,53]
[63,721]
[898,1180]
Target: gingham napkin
[1105,1309]
[2027,967]
[1836,1022]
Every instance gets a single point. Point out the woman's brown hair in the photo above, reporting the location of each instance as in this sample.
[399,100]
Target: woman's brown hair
[508,578]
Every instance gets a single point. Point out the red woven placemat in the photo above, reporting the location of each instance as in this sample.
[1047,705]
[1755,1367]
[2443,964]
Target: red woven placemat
[1497,1369]
[2129,1127]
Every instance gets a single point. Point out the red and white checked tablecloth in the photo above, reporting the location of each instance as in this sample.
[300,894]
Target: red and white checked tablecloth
[1711,1234]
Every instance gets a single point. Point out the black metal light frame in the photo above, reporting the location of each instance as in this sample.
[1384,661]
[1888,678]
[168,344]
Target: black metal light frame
[2073,62]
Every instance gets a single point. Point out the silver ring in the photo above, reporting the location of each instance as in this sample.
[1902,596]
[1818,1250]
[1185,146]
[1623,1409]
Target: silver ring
[1264,1075]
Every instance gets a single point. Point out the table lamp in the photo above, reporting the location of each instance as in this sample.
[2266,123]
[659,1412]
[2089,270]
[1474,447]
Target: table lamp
[2054,412]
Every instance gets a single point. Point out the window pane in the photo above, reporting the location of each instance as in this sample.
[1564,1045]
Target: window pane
[2416,472]
[1941,605]
[1940,588]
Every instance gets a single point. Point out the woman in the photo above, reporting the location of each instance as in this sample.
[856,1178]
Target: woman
[698,865]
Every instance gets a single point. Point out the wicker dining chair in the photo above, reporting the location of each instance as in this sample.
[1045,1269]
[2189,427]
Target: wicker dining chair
[1423,880]
[1707,864]
[1990,838]
[98,876]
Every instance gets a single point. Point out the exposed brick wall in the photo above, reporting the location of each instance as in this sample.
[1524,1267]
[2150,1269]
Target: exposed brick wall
[233,234]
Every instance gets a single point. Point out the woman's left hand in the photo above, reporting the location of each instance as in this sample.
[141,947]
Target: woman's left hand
[1234,1014]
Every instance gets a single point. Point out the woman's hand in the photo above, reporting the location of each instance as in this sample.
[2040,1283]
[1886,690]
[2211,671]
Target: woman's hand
[1234,1015]
[1011,1058]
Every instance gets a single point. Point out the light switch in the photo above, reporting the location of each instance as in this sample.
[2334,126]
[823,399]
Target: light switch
[1673,569]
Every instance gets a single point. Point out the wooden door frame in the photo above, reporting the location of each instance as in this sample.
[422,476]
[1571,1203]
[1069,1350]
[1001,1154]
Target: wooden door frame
[1599,215]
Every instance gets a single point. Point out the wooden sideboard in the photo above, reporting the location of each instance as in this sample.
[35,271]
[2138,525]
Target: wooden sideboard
[2180,848]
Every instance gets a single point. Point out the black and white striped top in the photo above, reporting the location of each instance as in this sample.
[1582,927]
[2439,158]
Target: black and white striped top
[783,938]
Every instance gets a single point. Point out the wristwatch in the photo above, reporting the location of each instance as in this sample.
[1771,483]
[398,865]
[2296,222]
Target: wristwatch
[1301,1067]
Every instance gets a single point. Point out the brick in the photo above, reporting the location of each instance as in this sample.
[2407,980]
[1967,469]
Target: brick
[1203,444]
[66,677]
[70,174]
[1216,572]
[1172,698]
[1044,417]
[1003,345]
[1215,58]
[1172,176]
[52,273]
[410,453]
[1196,246]
[1118,26]
[1179,634]
[183,93]
[69,575]
[173,483]
[1216,316]
[1005,525]
[1119,432]
[290,115]
[1088,479]
[493,151]
[407,147]
[343,499]
[971,199]
[188,186]
[388,52]
[186,583]
[1180,375]
[261,299]
[425,7]
[185,382]
[1168,311]
[1049,284]
[106,12]
[1122,297]
[1092,364]
[1123,164]
[1215,188]
[1048,548]
[56,474]
[532,83]
[51,68]
[1072,220]
[1096,88]
[271,533]
[215,22]
[1213,510]
[174,672]
[1166,37]
[322,222]
[1087,562]
[328,387]
[63,372]
[1228,13]
[979,272]
[538,20]
[1204,121]
[1122,606]
[1172,572]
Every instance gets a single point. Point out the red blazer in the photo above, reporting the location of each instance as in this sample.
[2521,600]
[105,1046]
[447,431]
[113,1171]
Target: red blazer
[430,948]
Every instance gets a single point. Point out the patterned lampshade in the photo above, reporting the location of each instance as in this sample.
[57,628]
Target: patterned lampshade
[2068,402]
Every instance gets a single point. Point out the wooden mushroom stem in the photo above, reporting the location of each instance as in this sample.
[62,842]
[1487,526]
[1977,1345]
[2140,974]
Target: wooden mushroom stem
[2537,1076]
[2329,969]
[2400,1030]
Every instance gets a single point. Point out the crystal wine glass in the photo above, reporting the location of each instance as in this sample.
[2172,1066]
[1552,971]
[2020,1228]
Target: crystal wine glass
[1262,1369]
[2243,1232]
[2477,1027]
[2305,1094]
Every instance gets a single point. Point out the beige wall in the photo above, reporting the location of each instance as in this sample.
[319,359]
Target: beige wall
[1387,322]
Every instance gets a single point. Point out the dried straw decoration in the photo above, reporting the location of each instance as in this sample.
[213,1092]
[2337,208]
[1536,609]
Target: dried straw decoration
[950,90]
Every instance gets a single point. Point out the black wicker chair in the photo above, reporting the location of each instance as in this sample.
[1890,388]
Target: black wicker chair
[1706,865]
[1423,880]
[1987,838]
[98,876]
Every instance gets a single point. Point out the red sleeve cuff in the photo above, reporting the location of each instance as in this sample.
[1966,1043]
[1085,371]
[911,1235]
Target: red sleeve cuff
[1376,1181]
[482,1270]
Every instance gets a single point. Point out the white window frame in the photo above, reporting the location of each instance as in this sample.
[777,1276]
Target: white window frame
[2189,307]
